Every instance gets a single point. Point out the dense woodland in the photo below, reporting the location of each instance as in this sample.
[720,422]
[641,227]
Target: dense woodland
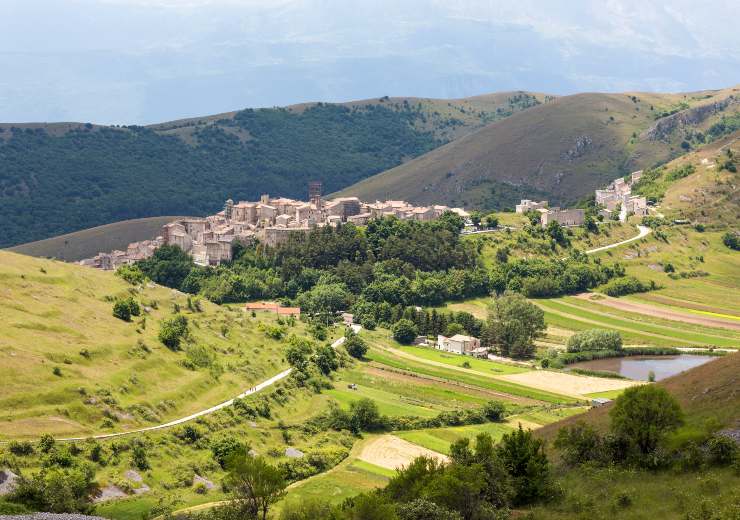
[51,185]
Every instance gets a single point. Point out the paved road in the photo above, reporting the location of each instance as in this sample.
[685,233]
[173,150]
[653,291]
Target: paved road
[643,231]
[261,386]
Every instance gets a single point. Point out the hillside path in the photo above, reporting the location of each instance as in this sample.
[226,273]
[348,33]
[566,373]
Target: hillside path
[261,386]
[643,231]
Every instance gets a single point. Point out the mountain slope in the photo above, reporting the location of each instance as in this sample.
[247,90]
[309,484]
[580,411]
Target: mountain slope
[86,243]
[561,150]
[61,177]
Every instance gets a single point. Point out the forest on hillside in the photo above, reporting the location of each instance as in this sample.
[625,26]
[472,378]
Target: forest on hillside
[56,184]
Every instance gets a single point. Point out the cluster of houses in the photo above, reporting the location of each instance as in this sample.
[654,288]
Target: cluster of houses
[564,217]
[617,198]
[210,240]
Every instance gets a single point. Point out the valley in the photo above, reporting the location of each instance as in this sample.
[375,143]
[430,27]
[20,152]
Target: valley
[367,344]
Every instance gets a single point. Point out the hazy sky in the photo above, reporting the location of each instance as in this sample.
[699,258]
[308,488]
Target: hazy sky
[144,61]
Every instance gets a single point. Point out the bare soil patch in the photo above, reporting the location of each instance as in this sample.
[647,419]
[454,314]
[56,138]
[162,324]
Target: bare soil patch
[668,314]
[391,452]
[567,384]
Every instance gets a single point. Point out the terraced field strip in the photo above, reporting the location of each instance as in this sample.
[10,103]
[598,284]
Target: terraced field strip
[670,302]
[388,403]
[604,307]
[630,337]
[481,366]
[506,389]
[439,439]
[667,335]
[684,331]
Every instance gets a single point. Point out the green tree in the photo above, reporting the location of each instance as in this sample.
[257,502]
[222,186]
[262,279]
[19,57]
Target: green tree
[524,457]
[404,331]
[223,449]
[255,485]
[643,415]
[355,345]
[513,325]
[491,221]
[326,359]
[476,217]
[169,266]
[364,415]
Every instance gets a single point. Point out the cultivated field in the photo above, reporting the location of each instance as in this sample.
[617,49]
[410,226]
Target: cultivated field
[392,452]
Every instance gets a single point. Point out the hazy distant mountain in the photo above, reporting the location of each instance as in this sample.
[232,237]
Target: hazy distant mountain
[145,61]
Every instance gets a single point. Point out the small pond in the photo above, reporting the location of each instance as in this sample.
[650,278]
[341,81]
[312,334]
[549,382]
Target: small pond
[638,367]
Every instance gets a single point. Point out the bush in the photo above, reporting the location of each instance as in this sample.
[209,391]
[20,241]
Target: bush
[579,443]
[21,449]
[627,285]
[131,273]
[595,339]
[404,331]
[494,410]
[722,450]
[224,448]
[172,331]
[732,240]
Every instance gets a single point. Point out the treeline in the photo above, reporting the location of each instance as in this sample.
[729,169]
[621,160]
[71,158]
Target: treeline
[377,271]
[53,184]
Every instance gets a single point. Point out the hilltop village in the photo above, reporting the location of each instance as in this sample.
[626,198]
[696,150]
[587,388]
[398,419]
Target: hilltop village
[209,240]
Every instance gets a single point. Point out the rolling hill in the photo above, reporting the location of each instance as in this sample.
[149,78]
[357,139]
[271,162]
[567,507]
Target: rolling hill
[560,150]
[86,243]
[69,367]
[62,177]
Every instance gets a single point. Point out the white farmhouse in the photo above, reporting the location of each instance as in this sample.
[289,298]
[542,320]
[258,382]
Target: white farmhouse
[458,344]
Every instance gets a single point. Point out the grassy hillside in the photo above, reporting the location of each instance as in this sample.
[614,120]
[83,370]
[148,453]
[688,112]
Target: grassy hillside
[70,368]
[62,177]
[560,150]
[89,242]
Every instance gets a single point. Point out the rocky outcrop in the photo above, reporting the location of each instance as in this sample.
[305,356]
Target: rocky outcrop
[582,144]
[664,127]
[8,481]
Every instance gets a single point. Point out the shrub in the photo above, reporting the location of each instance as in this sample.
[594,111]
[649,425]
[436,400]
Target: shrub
[22,448]
[722,450]
[172,331]
[593,340]
[494,410]
[138,457]
[404,331]
[57,371]
[224,448]
[627,285]
[732,240]
[124,308]
[131,273]
[578,443]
